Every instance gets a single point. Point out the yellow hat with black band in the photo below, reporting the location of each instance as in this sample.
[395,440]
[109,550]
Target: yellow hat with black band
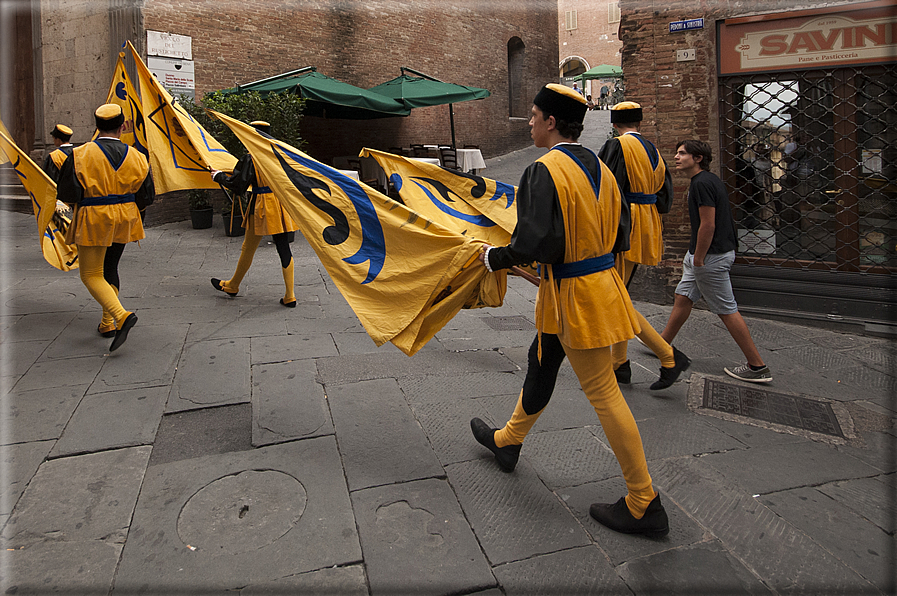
[261,126]
[61,132]
[626,112]
[109,116]
[562,102]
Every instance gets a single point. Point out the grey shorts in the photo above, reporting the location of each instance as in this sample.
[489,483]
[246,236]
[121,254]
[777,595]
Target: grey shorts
[710,281]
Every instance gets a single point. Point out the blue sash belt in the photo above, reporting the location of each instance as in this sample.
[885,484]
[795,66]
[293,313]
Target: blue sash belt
[261,190]
[640,198]
[584,267]
[107,200]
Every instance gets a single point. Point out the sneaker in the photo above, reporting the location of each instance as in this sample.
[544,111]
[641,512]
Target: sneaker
[624,373]
[668,376]
[746,373]
[485,435]
[617,517]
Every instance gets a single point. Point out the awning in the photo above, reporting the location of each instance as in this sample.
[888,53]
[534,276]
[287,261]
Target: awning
[602,71]
[327,97]
[424,91]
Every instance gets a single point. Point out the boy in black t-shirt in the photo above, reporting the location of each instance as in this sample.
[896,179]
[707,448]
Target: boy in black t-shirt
[711,252]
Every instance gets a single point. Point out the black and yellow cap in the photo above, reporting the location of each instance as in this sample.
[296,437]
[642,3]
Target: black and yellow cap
[109,116]
[61,132]
[562,102]
[626,112]
[261,126]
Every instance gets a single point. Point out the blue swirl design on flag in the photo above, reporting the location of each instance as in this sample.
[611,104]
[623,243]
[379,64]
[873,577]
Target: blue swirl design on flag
[373,242]
[120,91]
[477,220]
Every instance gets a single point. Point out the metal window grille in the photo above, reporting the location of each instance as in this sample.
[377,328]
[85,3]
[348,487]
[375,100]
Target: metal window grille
[810,159]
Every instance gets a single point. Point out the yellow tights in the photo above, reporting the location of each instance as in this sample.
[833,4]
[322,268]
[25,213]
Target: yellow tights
[648,335]
[91,271]
[247,253]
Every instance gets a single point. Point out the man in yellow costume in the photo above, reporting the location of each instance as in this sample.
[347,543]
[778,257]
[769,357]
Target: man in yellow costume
[647,187]
[107,181]
[62,135]
[265,216]
[568,219]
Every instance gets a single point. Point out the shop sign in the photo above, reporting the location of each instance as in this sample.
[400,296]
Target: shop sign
[785,42]
[175,75]
[686,25]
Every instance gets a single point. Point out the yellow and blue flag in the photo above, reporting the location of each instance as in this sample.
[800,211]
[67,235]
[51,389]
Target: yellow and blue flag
[403,275]
[480,207]
[42,191]
[123,93]
[181,151]
[4,130]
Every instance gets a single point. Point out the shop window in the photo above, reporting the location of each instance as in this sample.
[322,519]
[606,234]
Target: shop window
[809,159]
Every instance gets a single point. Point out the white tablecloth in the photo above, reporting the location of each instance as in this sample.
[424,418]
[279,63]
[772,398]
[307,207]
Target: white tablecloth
[470,159]
[431,160]
[349,173]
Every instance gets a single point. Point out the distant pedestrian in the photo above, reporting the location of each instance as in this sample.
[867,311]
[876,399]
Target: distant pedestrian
[589,102]
[62,135]
[711,252]
[107,181]
[264,216]
[569,213]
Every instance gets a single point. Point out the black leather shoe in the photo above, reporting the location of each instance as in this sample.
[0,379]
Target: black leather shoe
[617,517]
[485,436]
[624,373]
[216,283]
[289,304]
[668,376]
[122,334]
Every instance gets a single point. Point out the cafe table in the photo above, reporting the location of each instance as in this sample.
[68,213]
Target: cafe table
[470,159]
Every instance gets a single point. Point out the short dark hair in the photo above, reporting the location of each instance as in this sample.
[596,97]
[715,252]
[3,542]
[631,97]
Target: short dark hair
[568,130]
[697,148]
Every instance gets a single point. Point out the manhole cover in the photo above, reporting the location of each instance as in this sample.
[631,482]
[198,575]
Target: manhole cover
[778,408]
[516,323]
[243,512]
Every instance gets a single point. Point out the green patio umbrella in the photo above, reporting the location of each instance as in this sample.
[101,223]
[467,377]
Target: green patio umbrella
[424,91]
[602,71]
[327,97]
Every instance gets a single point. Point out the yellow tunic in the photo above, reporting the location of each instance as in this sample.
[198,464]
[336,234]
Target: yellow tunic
[116,217]
[594,310]
[646,238]
[268,217]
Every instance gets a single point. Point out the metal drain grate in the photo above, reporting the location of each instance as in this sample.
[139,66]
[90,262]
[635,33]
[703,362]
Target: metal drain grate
[516,323]
[788,410]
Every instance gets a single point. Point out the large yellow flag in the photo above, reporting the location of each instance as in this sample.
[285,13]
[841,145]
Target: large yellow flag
[123,93]
[475,203]
[42,191]
[4,130]
[181,151]
[403,275]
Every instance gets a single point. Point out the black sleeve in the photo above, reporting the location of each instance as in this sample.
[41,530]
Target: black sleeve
[612,155]
[665,194]
[50,168]
[539,235]
[68,189]
[242,177]
[146,194]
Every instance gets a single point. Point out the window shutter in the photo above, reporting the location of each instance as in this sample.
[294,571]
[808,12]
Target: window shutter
[613,12]
[570,20]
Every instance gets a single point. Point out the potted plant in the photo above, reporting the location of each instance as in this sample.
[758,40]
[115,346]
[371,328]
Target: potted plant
[200,208]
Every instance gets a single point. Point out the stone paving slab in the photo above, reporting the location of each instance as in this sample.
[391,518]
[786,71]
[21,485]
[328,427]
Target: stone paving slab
[360,342]
[113,420]
[242,327]
[436,388]
[19,463]
[211,373]
[151,361]
[871,498]
[80,338]
[619,548]
[568,408]
[44,296]
[579,571]
[415,540]
[204,432]
[344,581]
[380,440]
[61,373]
[784,558]
[794,465]
[363,367]
[287,403]
[253,517]
[672,573]
[42,326]
[73,568]
[447,426]
[285,348]
[569,457]
[855,541]
[38,414]
[514,516]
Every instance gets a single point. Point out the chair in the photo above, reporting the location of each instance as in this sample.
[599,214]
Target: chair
[449,158]
[355,164]
[471,146]
[396,151]
[419,151]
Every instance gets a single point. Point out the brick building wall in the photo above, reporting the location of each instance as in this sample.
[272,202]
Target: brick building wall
[595,38]
[679,100]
